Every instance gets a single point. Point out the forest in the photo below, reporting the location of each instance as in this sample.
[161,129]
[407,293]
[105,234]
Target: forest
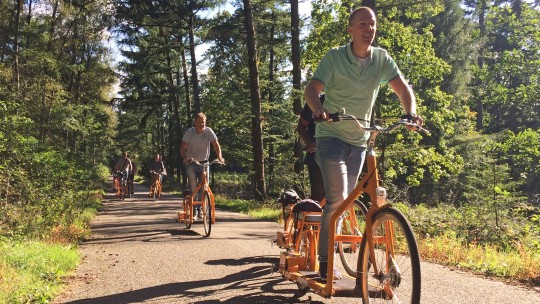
[82,81]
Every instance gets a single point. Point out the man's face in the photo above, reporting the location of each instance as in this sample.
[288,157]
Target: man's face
[362,29]
[200,124]
[156,158]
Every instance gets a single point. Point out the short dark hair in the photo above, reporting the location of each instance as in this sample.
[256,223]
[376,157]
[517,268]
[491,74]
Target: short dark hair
[201,115]
[357,11]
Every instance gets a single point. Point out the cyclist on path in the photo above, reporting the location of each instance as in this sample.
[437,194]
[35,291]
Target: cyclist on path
[124,164]
[196,145]
[350,77]
[158,167]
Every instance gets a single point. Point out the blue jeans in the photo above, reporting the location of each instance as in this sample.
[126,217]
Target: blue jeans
[195,175]
[340,164]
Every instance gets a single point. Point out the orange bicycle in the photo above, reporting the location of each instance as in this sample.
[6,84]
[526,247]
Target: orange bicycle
[352,222]
[377,244]
[156,187]
[121,184]
[206,200]
[116,179]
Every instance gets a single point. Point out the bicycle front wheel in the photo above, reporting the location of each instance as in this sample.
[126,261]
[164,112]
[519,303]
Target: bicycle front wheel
[207,213]
[353,222]
[397,276]
[154,193]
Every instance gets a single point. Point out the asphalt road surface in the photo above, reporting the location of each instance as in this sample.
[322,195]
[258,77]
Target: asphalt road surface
[138,253]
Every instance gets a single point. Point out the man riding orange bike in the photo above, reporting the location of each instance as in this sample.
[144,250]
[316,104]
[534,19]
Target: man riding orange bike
[157,169]
[124,167]
[350,76]
[196,145]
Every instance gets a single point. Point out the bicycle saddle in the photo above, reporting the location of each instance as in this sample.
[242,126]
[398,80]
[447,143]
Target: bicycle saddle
[307,205]
[288,197]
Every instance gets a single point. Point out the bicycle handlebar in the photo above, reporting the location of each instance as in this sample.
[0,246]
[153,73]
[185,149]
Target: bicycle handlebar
[205,162]
[341,115]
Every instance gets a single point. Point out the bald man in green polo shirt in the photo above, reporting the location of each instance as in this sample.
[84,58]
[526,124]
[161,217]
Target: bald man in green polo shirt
[350,77]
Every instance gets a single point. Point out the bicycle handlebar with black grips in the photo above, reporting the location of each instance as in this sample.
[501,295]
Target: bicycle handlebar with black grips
[204,162]
[406,120]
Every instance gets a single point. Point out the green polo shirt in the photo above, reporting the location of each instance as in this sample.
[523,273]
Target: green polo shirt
[349,85]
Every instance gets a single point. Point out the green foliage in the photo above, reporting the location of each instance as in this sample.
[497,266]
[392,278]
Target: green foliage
[522,153]
[33,271]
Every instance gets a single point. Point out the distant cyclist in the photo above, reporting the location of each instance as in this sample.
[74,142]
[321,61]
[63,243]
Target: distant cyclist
[196,145]
[157,168]
[124,165]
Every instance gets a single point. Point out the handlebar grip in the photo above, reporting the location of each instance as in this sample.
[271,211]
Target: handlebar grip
[331,117]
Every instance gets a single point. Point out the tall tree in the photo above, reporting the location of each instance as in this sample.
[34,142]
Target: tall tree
[256,117]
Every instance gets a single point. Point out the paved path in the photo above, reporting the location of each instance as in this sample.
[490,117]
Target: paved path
[137,253]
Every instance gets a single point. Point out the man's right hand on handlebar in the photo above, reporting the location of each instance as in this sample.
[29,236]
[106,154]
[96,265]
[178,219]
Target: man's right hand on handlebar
[321,114]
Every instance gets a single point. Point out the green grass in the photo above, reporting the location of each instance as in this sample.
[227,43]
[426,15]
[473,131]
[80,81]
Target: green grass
[32,272]
[252,208]
[520,263]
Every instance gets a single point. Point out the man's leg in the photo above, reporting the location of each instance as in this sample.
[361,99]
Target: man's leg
[199,171]
[315,179]
[331,154]
[340,165]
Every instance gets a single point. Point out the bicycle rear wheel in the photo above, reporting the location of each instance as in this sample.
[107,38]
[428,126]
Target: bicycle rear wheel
[353,223]
[398,278]
[207,213]
[187,211]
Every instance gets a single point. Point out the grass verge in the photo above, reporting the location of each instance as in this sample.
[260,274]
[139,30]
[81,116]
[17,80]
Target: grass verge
[32,272]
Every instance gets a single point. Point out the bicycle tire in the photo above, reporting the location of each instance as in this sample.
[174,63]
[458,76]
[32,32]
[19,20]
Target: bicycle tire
[154,192]
[187,212]
[206,210]
[289,229]
[308,249]
[349,252]
[399,272]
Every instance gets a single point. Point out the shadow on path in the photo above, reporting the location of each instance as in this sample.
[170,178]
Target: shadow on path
[252,283]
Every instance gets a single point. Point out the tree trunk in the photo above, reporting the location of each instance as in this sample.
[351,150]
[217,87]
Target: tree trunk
[482,27]
[16,72]
[271,158]
[189,115]
[295,48]
[174,125]
[256,121]
[194,77]
[296,72]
